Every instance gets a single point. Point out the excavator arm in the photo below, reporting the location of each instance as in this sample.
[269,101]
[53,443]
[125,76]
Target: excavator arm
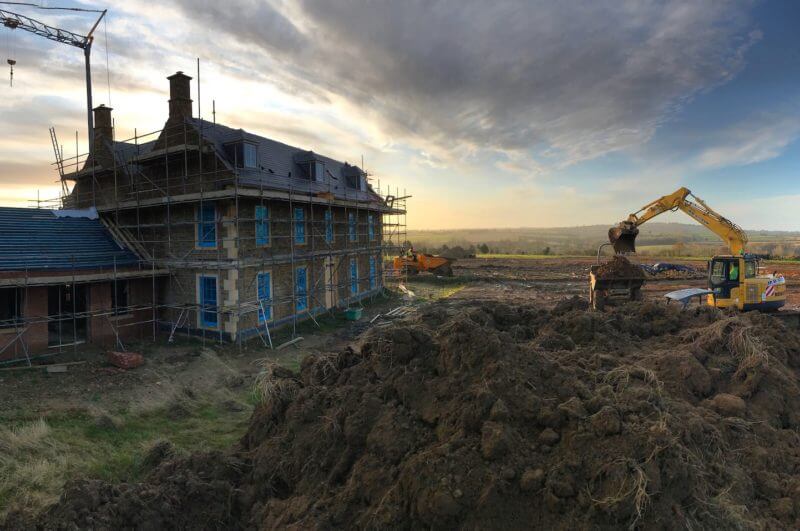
[623,236]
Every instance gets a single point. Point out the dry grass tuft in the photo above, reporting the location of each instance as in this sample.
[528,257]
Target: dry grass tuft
[275,384]
[738,337]
[327,368]
[27,437]
[31,465]
[619,378]
[632,488]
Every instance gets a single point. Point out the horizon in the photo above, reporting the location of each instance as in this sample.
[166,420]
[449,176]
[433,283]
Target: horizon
[593,225]
[523,131]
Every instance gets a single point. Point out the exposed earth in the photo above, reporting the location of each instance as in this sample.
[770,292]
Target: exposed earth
[506,405]
[548,280]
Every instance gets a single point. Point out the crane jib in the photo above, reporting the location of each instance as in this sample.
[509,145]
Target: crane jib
[17,21]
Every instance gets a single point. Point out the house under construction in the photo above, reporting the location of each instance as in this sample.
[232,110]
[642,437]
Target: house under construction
[220,233]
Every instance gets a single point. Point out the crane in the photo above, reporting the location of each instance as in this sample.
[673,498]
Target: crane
[733,280]
[14,21]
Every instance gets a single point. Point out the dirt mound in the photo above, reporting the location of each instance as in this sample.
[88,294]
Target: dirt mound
[619,267]
[196,492]
[490,416]
[499,417]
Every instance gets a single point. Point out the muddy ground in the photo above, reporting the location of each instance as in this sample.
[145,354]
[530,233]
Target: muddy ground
[505,405]
[548,280]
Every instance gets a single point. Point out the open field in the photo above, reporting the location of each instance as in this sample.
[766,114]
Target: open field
[655,239]
[142,427]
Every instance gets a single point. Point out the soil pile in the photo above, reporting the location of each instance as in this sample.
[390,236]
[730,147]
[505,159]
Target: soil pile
[196,492]
[490,416]
[619,267]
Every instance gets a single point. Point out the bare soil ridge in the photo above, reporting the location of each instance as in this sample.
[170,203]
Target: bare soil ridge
[492,416]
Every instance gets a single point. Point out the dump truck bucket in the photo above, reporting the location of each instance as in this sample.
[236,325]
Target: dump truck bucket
[623,237]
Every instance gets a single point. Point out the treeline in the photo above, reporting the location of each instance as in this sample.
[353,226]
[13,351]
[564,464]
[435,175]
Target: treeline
[470,251]
[767,249]
[786,250]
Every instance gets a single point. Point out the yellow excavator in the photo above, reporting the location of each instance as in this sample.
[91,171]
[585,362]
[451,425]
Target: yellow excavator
[733,279]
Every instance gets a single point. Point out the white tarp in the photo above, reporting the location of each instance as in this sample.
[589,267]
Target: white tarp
[89,213]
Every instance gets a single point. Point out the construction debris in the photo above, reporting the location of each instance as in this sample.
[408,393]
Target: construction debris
[125,360]
[289,343]
[55,367]
[408,293]
[400,311]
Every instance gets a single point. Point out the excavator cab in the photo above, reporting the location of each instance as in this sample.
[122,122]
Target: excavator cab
[725,274]
[623,237]
[736,283]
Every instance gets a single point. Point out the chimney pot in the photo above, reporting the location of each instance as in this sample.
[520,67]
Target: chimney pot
[180,96]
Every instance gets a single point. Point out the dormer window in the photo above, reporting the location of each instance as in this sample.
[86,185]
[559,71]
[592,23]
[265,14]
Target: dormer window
[311,166]
[243,154]
[352,176]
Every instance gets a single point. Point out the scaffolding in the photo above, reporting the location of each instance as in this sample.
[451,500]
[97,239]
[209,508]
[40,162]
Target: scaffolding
[150,192]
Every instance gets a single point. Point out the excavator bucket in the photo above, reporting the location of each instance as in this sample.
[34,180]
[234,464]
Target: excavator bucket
[623,237]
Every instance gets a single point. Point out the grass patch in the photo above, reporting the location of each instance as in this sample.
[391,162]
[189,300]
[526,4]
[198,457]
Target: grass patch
[429,287]
[38,456]
[644,252]
[532,256]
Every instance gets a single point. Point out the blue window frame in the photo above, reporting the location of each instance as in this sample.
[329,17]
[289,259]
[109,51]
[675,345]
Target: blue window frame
[371,226]
[328,226]
[353,276]
[250,157]
[299,226]
[319,171]
[264,293]
[208,301]
[373,273]
[242,154]
[207,225]
[262,225]
[301,289]
[351,225]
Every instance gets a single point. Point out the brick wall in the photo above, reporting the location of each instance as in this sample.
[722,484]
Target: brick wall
[130,326]
[34,306]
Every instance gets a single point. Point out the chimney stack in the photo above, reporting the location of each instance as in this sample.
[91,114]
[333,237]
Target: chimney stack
[102,122]
[180,101]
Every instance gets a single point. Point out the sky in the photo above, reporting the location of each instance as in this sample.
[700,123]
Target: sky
[489,114]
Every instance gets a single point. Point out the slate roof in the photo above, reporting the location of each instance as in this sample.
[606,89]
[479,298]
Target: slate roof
[279,166]
[37,239]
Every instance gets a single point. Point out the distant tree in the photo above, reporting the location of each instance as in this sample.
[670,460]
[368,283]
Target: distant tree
[456,252]
[483,248]
[546,251]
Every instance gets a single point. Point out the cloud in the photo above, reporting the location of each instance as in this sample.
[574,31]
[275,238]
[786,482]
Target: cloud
[765,213]
[756,139]
[573,80]
[30,173]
